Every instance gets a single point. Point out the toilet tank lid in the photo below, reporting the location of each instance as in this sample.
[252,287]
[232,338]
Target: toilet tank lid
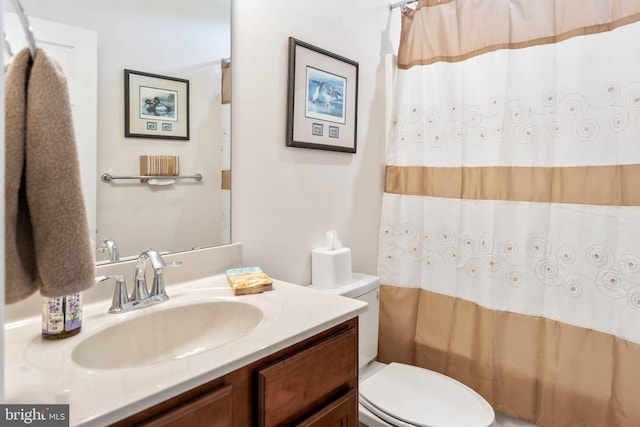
[360,285]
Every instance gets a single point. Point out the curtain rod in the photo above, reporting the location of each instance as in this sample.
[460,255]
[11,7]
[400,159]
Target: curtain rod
[402,4]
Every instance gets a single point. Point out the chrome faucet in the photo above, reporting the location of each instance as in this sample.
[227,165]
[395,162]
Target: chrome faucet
[140,296]
[109,245]
[140,290]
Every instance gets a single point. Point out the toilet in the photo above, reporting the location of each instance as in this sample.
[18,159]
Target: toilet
[403,395]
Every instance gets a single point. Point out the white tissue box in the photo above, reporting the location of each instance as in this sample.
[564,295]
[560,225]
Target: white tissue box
[331,268]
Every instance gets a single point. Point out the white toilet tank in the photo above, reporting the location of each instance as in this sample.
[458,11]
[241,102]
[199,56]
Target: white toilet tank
[365,288]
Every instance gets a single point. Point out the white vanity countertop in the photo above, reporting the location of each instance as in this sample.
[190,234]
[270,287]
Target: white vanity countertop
[40,371]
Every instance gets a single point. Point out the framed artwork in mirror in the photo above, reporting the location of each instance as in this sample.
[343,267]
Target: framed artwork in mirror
[322,107]
[155,106]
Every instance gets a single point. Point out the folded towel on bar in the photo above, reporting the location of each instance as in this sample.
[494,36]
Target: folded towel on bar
[159,166]
[47,239]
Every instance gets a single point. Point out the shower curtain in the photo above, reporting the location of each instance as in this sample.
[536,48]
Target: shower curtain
[510,235]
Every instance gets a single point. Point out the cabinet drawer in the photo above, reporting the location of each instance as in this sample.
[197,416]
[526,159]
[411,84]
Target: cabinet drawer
[300,384]
[212,409]
[342,412]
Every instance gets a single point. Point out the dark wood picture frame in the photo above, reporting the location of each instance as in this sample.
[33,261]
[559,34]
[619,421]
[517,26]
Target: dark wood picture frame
[322,95]
[155,106]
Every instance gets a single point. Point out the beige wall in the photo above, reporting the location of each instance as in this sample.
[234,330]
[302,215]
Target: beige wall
[284,199]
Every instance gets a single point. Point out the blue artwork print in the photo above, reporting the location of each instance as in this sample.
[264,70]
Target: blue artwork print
[156,102]
[325,96]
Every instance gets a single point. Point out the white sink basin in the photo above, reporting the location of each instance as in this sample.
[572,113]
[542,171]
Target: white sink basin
[166,335]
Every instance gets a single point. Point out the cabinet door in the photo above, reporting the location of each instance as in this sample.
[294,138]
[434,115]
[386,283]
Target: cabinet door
[341,412]
[300,384]
[211,409]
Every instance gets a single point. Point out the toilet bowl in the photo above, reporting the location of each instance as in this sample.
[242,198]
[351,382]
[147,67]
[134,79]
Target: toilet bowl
[403,395]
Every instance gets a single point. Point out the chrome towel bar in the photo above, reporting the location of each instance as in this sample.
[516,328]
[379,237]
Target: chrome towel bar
[107,177]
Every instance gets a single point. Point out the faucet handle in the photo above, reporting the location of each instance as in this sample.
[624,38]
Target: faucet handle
[120,297]
[158,292]
[156,259]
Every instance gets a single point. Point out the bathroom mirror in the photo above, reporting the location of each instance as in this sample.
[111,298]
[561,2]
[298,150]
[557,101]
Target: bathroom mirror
[190,40]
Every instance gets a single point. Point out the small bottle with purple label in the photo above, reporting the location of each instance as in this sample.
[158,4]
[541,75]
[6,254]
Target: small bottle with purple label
[61,316]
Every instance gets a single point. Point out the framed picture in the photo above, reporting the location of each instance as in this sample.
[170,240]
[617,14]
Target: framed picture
[155,106]
[322,110]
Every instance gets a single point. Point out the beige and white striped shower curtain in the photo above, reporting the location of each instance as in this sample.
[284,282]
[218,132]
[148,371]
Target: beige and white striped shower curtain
[510,236]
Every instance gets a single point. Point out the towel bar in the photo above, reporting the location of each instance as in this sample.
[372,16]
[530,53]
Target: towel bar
[107,177]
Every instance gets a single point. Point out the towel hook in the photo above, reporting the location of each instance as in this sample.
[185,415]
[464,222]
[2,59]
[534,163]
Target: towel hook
[28,30]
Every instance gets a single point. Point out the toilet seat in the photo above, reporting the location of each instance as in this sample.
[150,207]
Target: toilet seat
[410,396]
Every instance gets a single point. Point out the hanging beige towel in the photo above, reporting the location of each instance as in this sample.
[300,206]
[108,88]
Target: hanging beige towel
[47,244]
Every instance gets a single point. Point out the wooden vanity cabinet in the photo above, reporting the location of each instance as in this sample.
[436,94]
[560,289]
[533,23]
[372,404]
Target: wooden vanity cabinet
[311,383]
[342,412]
[210,409]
